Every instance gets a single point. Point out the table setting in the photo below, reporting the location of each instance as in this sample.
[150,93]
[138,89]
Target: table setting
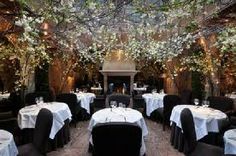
[153,101]
[119,114]
[61,112]
[4,96]
[7,144]
[230,142]
[206,120]
[85,99]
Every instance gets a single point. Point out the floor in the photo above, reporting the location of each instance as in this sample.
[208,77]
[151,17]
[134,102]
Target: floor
[157,143]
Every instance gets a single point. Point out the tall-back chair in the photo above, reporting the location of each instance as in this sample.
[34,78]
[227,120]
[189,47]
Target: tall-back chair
[71,100]
[42,131]
[119,98]
[116,139]
[169,102]
[191,146]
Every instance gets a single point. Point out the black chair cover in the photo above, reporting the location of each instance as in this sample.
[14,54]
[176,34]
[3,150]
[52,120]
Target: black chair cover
[42,130]
[169,102]
[30,97]
[117,139]
[125,99]
[191,146]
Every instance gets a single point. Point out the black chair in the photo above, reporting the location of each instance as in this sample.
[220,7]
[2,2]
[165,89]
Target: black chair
[119,98]
[138,101]
[186,97]
[222,103]
[71,100]
[169,102]
[191,146]
[42,130]
[99,101]
[116,139]
[30,97]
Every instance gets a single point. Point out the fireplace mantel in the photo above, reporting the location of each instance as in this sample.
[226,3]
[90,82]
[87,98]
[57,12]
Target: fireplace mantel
[118,72]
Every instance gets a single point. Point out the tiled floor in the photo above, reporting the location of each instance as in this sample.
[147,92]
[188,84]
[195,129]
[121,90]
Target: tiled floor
[157,143]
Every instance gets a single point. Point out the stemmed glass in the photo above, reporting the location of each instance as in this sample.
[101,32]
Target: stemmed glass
[113,104]
[37,100]
[41,99]
[196,102]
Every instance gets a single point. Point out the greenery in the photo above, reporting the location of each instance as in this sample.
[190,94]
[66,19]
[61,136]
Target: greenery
[88,30]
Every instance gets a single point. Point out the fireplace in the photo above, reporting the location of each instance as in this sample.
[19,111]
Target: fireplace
[118,69]
[119,84]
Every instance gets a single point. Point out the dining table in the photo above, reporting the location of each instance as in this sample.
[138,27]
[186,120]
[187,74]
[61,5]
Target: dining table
[206,120]
[119,114]
[85,100]
[7,144]
[230,142]
[4,96]
[153,101]
[59,134]
[96,90]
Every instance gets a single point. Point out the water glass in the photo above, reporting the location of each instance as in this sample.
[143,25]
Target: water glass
[196,102]
[121,105]
[154,91]
[113,104]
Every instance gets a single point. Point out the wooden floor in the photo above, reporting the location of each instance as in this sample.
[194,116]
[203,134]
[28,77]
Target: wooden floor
[157,143]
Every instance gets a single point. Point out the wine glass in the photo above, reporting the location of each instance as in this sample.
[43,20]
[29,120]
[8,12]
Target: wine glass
[204,103]
[113,104]
[37,100]
[196,102]
[207,103]
[41,99]
[154,91]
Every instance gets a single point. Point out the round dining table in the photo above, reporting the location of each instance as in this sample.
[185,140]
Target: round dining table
[230,142]
[4,96]
[85,100]
[7,144]
[60,131]
[206,120]
[119,115]
[153,101]
[27,116]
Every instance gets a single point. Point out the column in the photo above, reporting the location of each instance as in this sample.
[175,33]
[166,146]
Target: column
[105,82]
[131,84]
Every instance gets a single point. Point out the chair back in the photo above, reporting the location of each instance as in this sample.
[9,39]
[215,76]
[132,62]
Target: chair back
[188,128]
[42,130]
[117,139]
[221,103]
[30,97]
[186,97]
[169,102]
[71,100]
[119,98]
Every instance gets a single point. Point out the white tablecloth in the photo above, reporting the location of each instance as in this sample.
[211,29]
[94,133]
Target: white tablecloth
[230,141]
[140,89]
[85,100]
[7,144]
[96,88]
[27,116]
[4,96]
[120,115]
[205,119]
[153,101]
